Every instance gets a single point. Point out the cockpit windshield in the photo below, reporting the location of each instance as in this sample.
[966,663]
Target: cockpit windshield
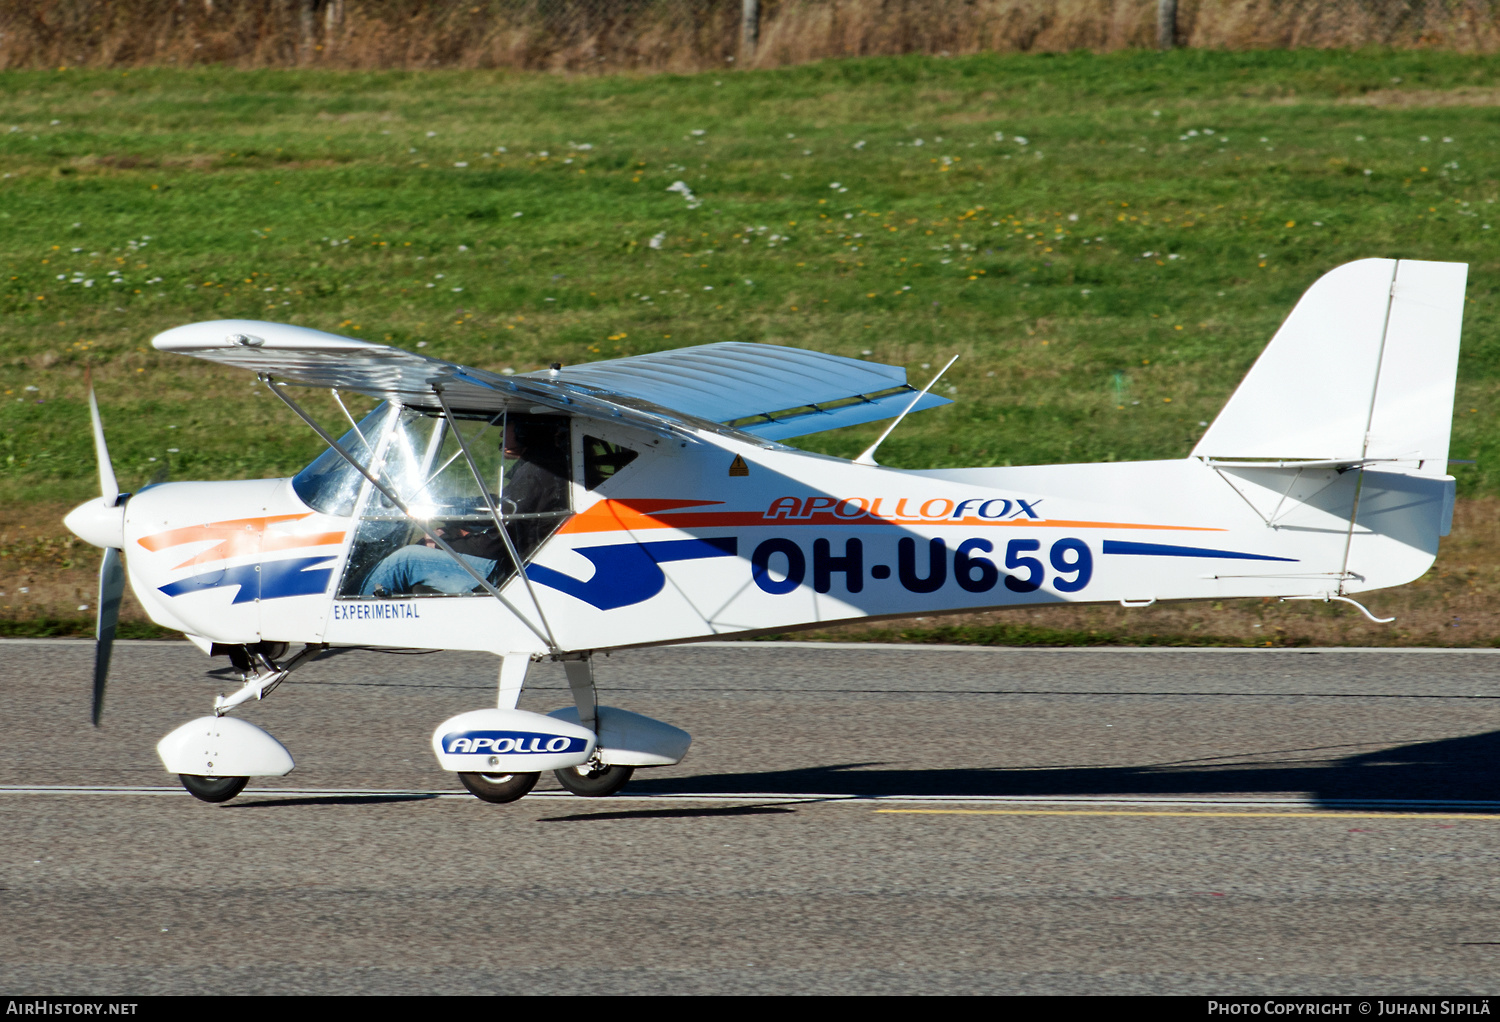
[330,484]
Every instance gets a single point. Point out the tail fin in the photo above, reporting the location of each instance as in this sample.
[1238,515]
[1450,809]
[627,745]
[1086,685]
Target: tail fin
[1362,371]
[1360,376]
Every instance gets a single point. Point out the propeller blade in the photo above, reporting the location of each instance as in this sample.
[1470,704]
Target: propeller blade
[108,487]
[111,590]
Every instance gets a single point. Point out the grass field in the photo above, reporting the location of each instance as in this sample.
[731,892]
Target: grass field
[1108,241]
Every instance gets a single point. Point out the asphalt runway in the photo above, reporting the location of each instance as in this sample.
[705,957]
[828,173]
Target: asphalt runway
[851,819]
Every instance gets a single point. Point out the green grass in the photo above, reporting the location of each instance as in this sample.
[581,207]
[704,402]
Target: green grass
[1028,635]
[79,628]
[1002,634]
[336,200]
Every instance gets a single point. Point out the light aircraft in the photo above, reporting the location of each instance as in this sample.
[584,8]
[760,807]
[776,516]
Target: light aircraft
[649,500]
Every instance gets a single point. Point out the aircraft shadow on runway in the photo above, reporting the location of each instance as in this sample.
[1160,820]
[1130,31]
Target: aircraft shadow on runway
[1462,769]
[325,800]
[671,814]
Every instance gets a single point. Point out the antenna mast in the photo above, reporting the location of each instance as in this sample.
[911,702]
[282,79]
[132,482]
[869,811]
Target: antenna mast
[868,457]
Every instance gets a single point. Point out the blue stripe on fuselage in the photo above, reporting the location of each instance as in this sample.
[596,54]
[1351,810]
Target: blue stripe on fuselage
[627,573]
[1115,546]
[274,580]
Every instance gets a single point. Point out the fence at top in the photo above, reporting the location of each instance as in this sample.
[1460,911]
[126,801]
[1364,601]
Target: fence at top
[686,35]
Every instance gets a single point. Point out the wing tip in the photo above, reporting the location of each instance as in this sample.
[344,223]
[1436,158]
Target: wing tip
[229,334]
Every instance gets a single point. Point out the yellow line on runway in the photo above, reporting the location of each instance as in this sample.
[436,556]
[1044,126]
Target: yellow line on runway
[1156,812]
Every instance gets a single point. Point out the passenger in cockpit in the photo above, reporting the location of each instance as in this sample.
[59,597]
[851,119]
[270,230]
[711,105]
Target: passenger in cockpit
[536,483]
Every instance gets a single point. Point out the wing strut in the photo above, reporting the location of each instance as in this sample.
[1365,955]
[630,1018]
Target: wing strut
[398,502]
[335,392]
[489,501]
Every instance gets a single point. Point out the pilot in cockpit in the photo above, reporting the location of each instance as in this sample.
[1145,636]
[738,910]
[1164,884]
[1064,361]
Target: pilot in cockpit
[535,485]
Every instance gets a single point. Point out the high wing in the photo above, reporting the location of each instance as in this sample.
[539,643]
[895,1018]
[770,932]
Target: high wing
[765,390]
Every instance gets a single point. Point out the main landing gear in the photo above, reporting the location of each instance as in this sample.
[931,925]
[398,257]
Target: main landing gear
[499,787]
[592,750]
[593,780]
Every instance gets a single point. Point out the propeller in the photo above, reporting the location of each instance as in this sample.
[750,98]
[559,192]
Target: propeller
[111,590]
[102,523]
[109,489]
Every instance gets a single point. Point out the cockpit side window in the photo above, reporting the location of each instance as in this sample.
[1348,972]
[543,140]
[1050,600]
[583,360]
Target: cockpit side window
[602,459]
[330,484]
[523,461]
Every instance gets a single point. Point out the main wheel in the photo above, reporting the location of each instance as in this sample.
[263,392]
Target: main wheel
[213,789]
[499,787]
[592,781]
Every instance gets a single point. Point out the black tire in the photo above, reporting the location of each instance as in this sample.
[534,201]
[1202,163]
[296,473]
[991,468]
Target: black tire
[213,789]
[595,782]
[499,787]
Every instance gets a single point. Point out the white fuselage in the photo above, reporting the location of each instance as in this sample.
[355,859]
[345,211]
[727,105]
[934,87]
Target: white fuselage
[677,547]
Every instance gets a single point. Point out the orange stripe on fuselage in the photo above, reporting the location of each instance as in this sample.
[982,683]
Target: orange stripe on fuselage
[236,538]
[624,515]
[633,515]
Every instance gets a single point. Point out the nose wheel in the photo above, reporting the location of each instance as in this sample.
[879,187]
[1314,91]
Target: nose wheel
[593,780]
[213,789]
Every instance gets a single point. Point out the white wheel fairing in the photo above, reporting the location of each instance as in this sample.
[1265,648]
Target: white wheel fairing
[223,747]
[495,741]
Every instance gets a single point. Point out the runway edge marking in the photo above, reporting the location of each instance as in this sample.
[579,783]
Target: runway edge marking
[1012,804]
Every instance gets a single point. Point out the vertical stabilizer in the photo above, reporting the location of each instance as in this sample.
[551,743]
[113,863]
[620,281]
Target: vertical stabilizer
[1363,368]
[1308,395]
[1355,391]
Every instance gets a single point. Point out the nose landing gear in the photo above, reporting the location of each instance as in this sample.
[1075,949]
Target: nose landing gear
[215,757]
[213,789]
